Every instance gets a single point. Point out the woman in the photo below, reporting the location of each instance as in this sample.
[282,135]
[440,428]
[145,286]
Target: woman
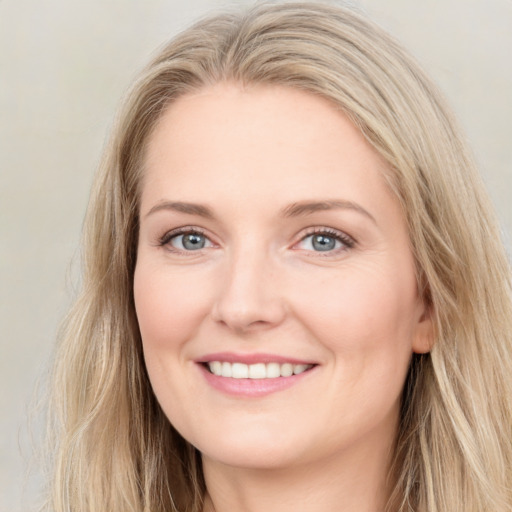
[294,293]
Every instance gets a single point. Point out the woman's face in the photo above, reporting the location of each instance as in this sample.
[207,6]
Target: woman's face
[270,245]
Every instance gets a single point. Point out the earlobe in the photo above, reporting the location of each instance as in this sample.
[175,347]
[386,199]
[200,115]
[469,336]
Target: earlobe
[424,336]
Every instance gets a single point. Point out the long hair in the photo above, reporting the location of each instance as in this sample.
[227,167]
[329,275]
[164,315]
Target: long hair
[114,448]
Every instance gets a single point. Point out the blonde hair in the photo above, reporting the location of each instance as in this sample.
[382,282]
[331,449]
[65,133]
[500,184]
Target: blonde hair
[115,450]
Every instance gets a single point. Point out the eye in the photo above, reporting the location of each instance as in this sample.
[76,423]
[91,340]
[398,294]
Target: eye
[186,241]
[325,241]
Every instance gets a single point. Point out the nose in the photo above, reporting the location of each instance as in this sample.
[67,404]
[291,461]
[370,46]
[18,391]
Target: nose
[250,297]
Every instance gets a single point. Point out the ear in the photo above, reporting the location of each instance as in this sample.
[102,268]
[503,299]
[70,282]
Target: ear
[424,335]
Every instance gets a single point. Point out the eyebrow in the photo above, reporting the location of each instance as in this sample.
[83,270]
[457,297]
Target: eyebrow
[298,209]
[179,206]
[310,207]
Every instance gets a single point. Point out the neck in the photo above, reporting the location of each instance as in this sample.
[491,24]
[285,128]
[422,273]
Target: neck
[348,482]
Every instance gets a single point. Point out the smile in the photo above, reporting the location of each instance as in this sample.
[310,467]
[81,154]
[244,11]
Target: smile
[256,371]
[253,375]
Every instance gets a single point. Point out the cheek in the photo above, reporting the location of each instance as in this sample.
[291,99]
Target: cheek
[363,300]
[366,318]
[169,306]
[169,310]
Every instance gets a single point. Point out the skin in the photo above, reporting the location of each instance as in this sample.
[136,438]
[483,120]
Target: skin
[259,285]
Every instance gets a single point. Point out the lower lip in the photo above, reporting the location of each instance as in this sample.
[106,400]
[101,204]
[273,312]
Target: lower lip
[251,387]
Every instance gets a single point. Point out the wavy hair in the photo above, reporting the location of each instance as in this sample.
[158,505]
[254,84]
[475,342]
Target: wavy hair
[113,447]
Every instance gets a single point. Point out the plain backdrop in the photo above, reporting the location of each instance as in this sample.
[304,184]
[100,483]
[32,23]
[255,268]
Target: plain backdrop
[64,64]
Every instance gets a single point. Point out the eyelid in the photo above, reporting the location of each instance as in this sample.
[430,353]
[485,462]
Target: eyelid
[165,239]
[183,230]
[346,240]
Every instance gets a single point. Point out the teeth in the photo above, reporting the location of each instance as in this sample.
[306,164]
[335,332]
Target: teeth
[226,370]
[299,368]
[216,367]
[273,370]
[239,371]
[286,370]
[256,371]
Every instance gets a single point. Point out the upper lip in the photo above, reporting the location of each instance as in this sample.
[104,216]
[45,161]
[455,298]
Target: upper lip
[233,357]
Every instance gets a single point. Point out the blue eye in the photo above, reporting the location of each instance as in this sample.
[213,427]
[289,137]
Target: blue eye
[192,241]
[325,241]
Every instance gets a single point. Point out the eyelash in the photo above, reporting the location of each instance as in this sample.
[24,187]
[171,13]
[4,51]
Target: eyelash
[347,241]
[187,230]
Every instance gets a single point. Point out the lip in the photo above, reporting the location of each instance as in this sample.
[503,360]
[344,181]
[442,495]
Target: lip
[232,357]
[251,388]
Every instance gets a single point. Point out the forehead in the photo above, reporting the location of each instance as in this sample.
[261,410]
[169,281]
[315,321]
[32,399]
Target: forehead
[226,142]
[259,113]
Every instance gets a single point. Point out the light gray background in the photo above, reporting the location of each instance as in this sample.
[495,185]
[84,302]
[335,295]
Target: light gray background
[63,67]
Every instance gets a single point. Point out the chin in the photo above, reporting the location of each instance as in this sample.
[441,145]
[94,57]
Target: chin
[254,458]
[254,449]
